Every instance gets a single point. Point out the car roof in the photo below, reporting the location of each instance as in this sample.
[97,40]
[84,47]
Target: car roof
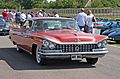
[51,18]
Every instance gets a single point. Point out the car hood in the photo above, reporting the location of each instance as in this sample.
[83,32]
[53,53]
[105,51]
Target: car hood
[68,36]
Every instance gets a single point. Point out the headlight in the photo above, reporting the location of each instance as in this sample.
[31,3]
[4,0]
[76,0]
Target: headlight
[45,43]
[51,45]
[1,29]
[48,44]
[105,42]
[99,44]
[102,43]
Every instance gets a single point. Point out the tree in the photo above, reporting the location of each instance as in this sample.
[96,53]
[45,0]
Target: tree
[26,4]
[106,3]
[10,4]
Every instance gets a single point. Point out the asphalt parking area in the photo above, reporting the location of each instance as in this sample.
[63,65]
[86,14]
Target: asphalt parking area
[15,65]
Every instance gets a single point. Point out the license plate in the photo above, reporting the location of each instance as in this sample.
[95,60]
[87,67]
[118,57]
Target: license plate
[76,57]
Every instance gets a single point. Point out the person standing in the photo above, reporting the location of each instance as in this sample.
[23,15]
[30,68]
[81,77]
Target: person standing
[44,13]
[40,14]
[10,16]
[14,13]
[55,14]
[90,21]
[81,19]
[29,16]
[5,15]
[22,18]
[17,17]
[32,14]
[29,19]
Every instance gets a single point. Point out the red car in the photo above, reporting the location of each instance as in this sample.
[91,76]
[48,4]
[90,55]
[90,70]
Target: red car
[56,38]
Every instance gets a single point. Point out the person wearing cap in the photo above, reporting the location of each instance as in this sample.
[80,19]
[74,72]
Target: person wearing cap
[81,19]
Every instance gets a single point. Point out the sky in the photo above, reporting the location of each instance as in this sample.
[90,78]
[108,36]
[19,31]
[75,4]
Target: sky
[50,0]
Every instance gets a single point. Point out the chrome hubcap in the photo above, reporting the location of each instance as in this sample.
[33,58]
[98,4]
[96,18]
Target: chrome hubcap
[38,57]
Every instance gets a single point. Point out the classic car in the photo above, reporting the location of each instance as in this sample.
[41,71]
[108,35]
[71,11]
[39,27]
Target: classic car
[108,31]
[4,28]
[58,38]
[115,35]
[102,20]
[107,25]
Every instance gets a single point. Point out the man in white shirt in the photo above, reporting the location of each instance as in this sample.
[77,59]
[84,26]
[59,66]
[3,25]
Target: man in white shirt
[81,19]
[22,18]
[29,17]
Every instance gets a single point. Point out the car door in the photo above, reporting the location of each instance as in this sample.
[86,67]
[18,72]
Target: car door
[16,35]
[27,39]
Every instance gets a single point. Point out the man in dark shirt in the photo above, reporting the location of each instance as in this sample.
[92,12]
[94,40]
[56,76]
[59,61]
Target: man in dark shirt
[17,17]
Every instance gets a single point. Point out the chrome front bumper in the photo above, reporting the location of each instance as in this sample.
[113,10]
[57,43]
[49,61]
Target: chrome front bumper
[59,54]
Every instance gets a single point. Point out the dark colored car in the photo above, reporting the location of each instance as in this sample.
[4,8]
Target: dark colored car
[107,25]
[115,35]
[4,28]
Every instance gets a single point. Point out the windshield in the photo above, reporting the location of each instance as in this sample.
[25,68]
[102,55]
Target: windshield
[44,25]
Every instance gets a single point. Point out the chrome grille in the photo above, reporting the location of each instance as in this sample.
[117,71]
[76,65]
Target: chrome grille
[76,48]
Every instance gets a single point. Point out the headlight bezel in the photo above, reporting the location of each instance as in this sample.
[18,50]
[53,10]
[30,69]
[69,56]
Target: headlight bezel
[102,43]
[49,44]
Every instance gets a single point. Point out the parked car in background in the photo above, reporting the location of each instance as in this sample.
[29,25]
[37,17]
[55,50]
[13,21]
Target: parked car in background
[108,31]
[58,38]
[115,35]
[107,25]
[4,28]
[102,20]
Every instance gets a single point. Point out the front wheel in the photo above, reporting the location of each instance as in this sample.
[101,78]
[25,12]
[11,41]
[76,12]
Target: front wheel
[92,60]
[39,59]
